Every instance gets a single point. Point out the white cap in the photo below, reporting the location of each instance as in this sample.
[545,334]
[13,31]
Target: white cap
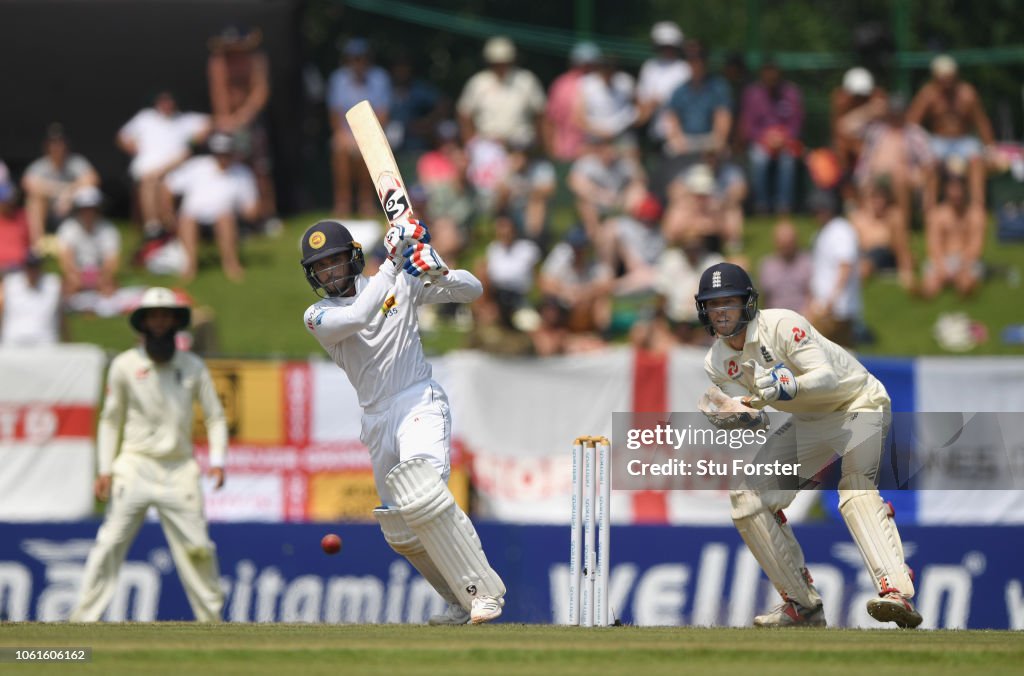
[667,34]
[700,180]
[160,297]
[943,65]
[499,50]
[858,81]
[86,197]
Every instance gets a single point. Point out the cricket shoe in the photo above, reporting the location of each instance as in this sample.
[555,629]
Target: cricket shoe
[892,606]
[792,614]
[453,615]
[485,609]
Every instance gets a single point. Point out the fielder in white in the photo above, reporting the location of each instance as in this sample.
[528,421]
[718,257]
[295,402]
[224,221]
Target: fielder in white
[775,357]
[150,393]
[369,327]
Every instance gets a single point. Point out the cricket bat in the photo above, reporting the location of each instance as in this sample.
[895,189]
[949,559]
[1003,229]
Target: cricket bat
[380,161]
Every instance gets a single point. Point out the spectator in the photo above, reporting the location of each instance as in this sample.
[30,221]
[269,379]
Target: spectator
[853,106]
[527,190]
[835,285]
[694,210]
[30,306]
[502,103]
[899,154]
[14,241]
[954,240]
[238,72]
[606,106]
[507,272]
[883,236]
[159,139]
[605,182]
[566,139]
[661,75]
[214,191]
[357,80]
[699,113]
[771,122]
[737,76]
[637,242]
[417,107]
[51,180]
[90,247]
[441,173]
[579,283]
[785,279]
[950,109]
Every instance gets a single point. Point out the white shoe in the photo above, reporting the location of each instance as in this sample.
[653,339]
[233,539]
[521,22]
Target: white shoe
[485,609]
[894,607]
[453,615]
[792,614]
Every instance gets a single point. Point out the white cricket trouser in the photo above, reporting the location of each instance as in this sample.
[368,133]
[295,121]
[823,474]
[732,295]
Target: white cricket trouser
[416,423]
[173,488]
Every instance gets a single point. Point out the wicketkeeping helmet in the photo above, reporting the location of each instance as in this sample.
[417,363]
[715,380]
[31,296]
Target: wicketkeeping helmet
[159,297]
[322,240]
[724,280]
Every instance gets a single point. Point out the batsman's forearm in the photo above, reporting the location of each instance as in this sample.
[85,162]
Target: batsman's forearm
[459,286]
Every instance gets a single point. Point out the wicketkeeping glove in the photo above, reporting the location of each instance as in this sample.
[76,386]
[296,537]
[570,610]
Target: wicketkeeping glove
[421,259]
[778,383]
[404,234]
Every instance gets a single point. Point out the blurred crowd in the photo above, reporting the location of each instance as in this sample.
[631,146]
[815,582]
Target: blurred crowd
[662,169]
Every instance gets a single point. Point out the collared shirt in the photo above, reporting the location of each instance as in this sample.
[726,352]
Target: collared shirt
[829,379]
[344,90]
[503,109]
[695,103]
[762,111]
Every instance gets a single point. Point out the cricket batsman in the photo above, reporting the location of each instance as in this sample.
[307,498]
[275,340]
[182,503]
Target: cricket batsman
[776,358]
[150,393]
[369,328]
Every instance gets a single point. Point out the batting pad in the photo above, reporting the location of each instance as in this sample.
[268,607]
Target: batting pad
[405,542]
[448,536]
[774,546]
[875,533]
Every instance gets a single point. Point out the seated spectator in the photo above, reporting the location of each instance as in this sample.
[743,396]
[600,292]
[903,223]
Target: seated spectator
[606,106]
[215,190]
[14,244]
[699,112]
[30,306]
[853,106]
[951,111]
[159,139]
[678,270]
[356,80]
[659,76]
[566,136]
[954,240]
[554,337]
[899,154]
[694,209]
[527,190]
[50,182]
[882,235]
[835,284]
[785,278]
[441,174]
[605,182]
[637,242]
[417,107]
[507,272]
[771,123]
[579,282]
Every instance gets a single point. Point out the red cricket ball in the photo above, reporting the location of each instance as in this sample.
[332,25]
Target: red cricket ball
[331,543]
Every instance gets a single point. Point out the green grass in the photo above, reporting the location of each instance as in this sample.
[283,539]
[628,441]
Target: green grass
[261,317]
[182,648]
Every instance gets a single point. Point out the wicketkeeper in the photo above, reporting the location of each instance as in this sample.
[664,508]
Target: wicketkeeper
[775,357]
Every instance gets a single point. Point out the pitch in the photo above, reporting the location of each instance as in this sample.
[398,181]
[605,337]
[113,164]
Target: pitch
[533,650]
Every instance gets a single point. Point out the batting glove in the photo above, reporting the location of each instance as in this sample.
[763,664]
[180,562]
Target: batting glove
[778,383]
[404,234]
[421,259]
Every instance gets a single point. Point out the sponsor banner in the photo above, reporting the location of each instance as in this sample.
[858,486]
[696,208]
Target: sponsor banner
[253,396]
[967,578]
[48,406]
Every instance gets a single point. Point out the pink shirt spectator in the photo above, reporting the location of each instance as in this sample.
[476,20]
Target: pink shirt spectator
[13,238]
[567,137]
[761,111]
[785,283]
[436,167]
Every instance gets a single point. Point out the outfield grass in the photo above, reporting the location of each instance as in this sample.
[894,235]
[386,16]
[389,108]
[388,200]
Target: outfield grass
[261,317]
[183,648]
